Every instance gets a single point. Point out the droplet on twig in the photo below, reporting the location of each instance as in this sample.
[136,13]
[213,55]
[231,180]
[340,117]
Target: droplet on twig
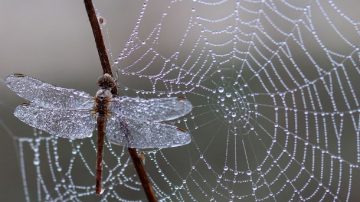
[101,20]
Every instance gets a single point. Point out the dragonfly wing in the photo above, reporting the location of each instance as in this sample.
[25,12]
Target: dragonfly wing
[115,131]
[158,109]
[65,123]
[47,95]
[139,134]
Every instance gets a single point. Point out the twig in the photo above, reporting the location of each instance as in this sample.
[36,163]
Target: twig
[142,175]
[98,37]
[104,59]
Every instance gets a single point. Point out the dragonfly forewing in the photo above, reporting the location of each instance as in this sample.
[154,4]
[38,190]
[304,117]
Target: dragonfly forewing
[158,109]
[72,124]
[145,134]
[47,95]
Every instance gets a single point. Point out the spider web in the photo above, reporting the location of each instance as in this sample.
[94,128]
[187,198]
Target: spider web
[276,105]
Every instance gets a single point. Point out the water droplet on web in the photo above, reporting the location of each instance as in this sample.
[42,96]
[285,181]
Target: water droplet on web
[228,94]
[220,89]
[36,162]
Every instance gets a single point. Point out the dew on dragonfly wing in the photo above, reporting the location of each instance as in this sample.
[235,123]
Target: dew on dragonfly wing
[221,89]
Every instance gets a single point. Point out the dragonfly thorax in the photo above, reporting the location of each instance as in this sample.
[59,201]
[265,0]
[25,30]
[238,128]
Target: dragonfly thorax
[102,101]
[103,94]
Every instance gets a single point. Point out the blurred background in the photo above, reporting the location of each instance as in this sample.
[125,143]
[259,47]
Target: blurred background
[195,51]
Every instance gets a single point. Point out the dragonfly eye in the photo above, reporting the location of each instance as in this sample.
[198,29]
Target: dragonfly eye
[106,82]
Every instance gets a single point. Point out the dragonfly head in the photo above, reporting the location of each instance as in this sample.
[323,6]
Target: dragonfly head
[106,82]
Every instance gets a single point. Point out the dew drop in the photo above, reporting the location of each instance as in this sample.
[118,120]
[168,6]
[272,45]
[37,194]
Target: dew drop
[36,162]
[101,20]
[228,94]
[221,89]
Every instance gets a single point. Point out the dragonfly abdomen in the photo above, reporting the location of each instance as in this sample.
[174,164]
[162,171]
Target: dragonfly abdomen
[102,109]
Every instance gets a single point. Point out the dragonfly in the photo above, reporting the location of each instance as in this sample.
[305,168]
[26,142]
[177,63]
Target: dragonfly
[128,121]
